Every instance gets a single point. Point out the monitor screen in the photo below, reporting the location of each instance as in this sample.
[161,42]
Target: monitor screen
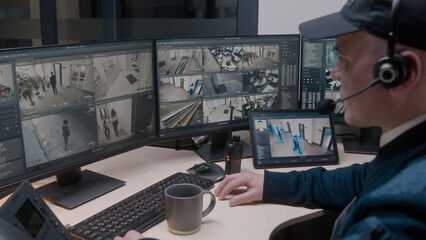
[200,79]
[292,138]
[318,59]
[67,106]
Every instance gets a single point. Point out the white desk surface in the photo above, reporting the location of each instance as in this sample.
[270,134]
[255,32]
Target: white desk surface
[144,166]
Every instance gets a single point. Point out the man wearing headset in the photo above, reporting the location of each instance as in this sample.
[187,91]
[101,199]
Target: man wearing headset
[385,198]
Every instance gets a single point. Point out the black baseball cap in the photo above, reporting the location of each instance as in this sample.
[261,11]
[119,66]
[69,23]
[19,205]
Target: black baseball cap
[374,17]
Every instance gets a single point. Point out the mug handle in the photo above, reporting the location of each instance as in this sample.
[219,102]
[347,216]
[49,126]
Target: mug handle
[211,205]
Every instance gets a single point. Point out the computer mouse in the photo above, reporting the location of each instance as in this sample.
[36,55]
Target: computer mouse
[201,167]
[197,168]
[207,170]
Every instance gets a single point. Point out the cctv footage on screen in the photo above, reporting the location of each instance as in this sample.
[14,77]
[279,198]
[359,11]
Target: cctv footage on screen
[199,80]
[62,101]
[292,138]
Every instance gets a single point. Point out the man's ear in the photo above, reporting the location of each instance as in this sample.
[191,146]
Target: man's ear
[414,71]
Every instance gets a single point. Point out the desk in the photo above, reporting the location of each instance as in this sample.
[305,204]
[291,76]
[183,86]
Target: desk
[144,166]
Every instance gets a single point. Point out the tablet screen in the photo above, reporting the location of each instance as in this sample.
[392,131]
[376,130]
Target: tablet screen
[282,138]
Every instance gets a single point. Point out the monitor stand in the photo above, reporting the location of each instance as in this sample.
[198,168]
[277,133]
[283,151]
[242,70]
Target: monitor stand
[368,142]
[177,144]
[76,187]
[215,151]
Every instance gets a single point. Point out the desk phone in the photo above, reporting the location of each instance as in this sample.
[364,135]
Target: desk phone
[29,214]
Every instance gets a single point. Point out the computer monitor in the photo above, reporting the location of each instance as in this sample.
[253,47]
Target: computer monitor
[62,107]
[318,59]
[199,79]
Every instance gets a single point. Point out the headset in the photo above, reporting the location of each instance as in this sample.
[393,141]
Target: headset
[391,70]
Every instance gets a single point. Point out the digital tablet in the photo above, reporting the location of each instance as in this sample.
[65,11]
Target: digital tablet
[284,138]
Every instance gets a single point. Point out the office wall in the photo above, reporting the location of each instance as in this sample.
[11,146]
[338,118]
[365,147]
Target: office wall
[284,16]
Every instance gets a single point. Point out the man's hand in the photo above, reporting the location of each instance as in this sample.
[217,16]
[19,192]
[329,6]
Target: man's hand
[252,181]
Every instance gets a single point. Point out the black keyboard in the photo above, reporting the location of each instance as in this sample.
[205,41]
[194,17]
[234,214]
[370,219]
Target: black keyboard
[138,212]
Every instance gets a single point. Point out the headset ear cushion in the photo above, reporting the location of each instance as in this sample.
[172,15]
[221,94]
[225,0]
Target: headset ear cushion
[391,72]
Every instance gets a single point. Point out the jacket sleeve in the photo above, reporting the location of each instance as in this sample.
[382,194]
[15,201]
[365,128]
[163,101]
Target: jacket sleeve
[394,210]
[315,188]
[387,225]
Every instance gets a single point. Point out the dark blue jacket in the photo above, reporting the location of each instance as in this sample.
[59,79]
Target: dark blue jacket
[390,191]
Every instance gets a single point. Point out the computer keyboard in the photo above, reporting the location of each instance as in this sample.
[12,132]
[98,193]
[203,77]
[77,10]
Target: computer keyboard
[138,212]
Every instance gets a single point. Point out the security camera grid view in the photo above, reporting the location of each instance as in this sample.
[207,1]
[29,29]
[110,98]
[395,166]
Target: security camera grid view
[199,80]
[67,100]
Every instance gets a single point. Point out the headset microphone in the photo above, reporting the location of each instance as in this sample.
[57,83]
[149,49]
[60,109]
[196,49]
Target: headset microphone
[326,106]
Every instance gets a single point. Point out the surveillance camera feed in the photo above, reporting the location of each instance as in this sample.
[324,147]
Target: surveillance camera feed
[200,79]
[318,59]
[281,138]
[64,105]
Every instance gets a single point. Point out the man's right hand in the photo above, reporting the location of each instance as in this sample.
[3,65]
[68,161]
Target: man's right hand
[252,181]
